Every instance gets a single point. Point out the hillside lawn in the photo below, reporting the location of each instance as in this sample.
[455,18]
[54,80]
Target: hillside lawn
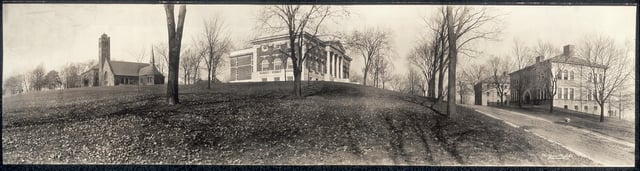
[259,123]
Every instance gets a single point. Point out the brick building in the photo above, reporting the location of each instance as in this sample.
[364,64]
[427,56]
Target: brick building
[111,73]
[529,84]
[267,60]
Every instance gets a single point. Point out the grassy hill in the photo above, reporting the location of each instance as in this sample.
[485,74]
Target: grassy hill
[259,123]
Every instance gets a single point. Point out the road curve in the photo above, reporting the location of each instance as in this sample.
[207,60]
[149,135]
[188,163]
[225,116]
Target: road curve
[600,148]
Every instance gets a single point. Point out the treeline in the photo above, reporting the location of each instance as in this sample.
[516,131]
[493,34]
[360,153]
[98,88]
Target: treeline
[39,79]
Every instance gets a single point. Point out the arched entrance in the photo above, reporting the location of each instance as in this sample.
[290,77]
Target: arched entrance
[527,98]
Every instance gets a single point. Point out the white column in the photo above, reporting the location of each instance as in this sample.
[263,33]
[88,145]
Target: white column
[330,64]
[340,67]
[335,64]
[326,65]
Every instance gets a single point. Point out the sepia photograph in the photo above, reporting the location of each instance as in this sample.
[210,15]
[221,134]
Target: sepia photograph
[319,84]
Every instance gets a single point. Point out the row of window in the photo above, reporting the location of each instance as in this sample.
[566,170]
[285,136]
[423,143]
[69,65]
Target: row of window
[289,78]
[565,75]
[265,65]
[275,46]
[586,108]
[567,93]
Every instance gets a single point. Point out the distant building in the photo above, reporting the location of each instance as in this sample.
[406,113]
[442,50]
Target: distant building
[486,92]
[111,73]
[267,60]
[572,93]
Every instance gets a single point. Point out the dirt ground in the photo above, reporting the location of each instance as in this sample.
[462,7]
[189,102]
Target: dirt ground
[259,123]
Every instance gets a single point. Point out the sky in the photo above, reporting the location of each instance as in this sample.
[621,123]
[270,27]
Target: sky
[56,34]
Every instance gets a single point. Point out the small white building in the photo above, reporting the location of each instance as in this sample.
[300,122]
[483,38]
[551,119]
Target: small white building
[267,60]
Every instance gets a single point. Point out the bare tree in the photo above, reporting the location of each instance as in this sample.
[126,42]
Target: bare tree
[414,83]
[385,72]
[550,81]
[396,82]
[380,69]
[523,55]
[545,49]
[214,43]
[475,73]
[608,69]
[175,41]
[37,78]
[70,74]
[464,86]
[14,84]
[186,64]
[162,58]
[464,25]
[302,23]
[370,44]
[499,69]
[422,57]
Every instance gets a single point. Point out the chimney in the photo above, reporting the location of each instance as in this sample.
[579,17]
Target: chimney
[539,59]
[568,50]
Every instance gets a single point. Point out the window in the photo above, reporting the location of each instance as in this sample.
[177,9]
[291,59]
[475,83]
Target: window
[265,65]
[487,93]
[566,107]
[595,108]
[586,108]
[277,64]
[559,93]
[289,63]
[571,93]
[565,74]
[589,95]
[566,94]
[571,75]
[290,78]
[276,78]
[576,107]
[264,79]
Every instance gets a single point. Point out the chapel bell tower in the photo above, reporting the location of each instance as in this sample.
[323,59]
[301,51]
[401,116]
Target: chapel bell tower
[104,55]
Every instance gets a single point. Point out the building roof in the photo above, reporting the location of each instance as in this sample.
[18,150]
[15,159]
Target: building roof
[564,59]
[574,60]
[149,70]
[504,78]
[126,68]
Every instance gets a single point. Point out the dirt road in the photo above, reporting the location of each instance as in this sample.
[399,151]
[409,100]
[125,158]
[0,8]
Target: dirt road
[600,148]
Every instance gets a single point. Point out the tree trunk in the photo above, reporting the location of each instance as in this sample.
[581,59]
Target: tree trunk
[297,88]
[453,53]
[175,38]
[364,82]
[431,90]
[440,82]
[602,112]
[551,107]
[209,78]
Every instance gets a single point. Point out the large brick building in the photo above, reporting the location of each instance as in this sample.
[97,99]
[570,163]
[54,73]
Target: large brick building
[267,60]
[111,73]
[528,84]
